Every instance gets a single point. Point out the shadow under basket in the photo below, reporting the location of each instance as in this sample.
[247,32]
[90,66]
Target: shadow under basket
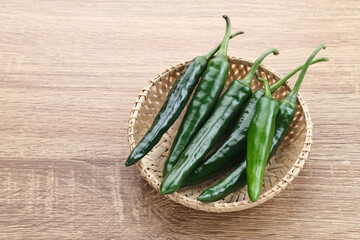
[280,172]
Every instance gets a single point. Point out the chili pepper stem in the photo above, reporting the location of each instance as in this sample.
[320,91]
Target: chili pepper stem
[224,45]
[279,83]
[236,34]
[249,77]
[266,86]
[292,96]
[216,48]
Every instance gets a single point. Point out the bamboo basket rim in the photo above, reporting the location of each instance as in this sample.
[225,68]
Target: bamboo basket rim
[220,206]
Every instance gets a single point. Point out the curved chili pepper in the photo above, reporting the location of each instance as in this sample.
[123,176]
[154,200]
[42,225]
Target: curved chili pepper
[288,106]
[173,105]
[235,144]
[226,109]
[236,180]
[203,101]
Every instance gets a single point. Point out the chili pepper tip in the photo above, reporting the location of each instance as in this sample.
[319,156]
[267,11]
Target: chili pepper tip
[165,189]
[204,197]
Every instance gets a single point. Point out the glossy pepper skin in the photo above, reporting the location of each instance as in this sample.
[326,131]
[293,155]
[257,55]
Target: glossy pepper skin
[233,182]
[261,133]
[234,146]
[236,180]
[227,108]
[203,101]
[205,97]
[175,102]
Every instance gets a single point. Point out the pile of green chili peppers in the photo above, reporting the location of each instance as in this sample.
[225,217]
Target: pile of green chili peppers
[259,124]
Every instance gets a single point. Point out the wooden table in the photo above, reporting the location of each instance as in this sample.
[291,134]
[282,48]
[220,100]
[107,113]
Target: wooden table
[71,70]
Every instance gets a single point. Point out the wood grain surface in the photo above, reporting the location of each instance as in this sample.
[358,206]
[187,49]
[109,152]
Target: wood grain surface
[71,70]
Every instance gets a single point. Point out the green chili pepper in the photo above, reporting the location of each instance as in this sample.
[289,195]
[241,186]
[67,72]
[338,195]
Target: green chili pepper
[288,106]
[261,133]
[226,109]
[173,105]
[235,143]
[233,182]
[203,101]
[236,180]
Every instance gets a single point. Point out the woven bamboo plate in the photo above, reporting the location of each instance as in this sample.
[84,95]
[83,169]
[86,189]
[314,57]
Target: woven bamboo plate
[280,172]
